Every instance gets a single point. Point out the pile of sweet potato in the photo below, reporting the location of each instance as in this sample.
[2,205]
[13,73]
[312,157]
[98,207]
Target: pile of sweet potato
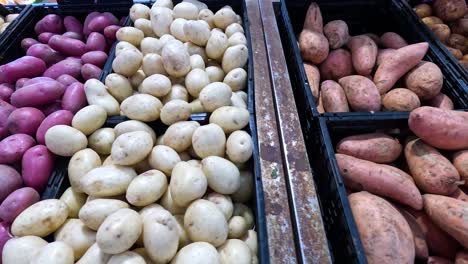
[417,209]
[359,73]
[448,19]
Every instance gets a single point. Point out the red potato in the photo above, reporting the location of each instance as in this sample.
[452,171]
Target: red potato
[16,202]
[449,214]
[20,83]
[67,46]
[88,18]
[5,111]
[425,80]
[68,66]
[24,67]
[74,98]
[438,260]
[45,37]
[392,40]
[11,180]
[37,165]
[364,54]
[5,91]
[420,244]
[313,46]
[96,42]
[72,24]
[90,71]
[337,33]
[45,53]
[399,64]
[50,23]
[362,94]
[97,58]
[441,101]
[461,257]
[313,77]
[73,35]
[459,195]
[50,108]
[13,147]
[337,65]
[37,80]
[101,21]
[25,120]
[28,42]
[452,127]
[37,94]
[432,172]
[449,10]
[4,235]
[111,31]
[333,97]
[61,117]
[379,179]
[314,20]
[66,80]
[460,161]
[375,147]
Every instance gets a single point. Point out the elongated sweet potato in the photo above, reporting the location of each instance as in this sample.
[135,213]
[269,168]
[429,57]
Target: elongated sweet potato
[432,172]
[461,257]
[375,147]
[384,232]
[441,101]
[438,260]
[452,127]
[383,55]
[379,179]
[333,97]
[425,80]
[449,214]
[314,20]
[337,65]
[314,46]
[361,92]
[313,77]
[400,99]
[364,54]
[460,161]
[399,64]
[392,40]
[337,33]
[420,244]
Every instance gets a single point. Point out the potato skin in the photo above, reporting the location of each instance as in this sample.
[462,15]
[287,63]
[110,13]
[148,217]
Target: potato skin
[333,97]
[313,77]
[385,234]
[337,65]
[449,10]
[441,31]
[375,147]
[392,40]
[314,20]
[460,161]
[441,101]
[313,46]
[432,20]
[420,244]
[361,92]
[337,33]
[364,54]
[400,99]
[425,80]
[423,10]
[461,257]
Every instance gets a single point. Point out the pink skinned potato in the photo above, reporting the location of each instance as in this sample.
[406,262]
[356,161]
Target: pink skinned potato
[73,35]
[50,23]
[74,98]
[50,108]
[45,37]
[66,79]
[45,53]
[100,22]
[72,24]
[20,83]
[5,111]
[96,41]
[97,58]
[110,32]
[17,202]
[68,66]
[28,42]
[67,46]
[61,117]
[90,71]
[4,235]
[25,120]
[24,67]
[11,181]
[88,18]
[37,94]
[313,46]
[5,91]
[37,165]
[13,147]
[37,80]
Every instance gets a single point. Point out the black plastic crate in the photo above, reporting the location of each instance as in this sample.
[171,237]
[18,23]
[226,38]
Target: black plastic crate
[12,9]
[362,17]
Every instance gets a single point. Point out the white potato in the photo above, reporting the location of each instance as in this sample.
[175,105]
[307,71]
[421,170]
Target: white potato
[107,180]
[123,45]
[216,45]
[152,64]
[224,17]
[96,94]
[54,253]
[89,119]
[239,20]
[179,135]
[209,140]
[137,79]
[193,49]
[101,140]
[145,26]
[64,140]
[168,203]
[246,212]
[197,32]
[222,175]
[215,95]
[176,59]
[197,62]
[235,57]
[246,189]
[179,92]
[161,19]
[127,62]
[185,10]
[195,81]
[198,4]
[94,212]
[175,111]
[251,240]
[203,221]
[236,79]
[177,29]
[127,257]
[237,227]
[3,27]
[237,101]
[118,86]
[163,158]
[183,236]
[196,106]
[131,148]
[139,11]
[156,85]
[22,250]
[134,125]
[130,34]
[81,163]
[146,188]
[215,74]
[235,251]
[239,147]
[94,255]
[119,231]
[230,118]
[9,18]
[75,234]
[237,38]
[144,254]
[142,107]
[188,183]
[207,16]
[197,253]
[223,202]
[195,163]
[74,201]
[242,95]
[151,45]
[233,28]
[163,3]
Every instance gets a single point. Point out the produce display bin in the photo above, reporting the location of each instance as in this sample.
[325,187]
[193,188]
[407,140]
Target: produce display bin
[362,17]
[11,9]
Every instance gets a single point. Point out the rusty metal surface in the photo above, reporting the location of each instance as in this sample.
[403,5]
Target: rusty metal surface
[312,246]
[278,219]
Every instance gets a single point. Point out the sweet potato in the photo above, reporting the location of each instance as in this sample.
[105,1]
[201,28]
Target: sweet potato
[320,108]
[392,40]
[16,202]
[74,98]
[5,91]
[337,33]
[24,67]
[438,260]
[96,42]
[45,37]
[13,147]
[37,94]
[423,10]
[441,31]
[313,20]
[37,165]
[384,232]
[420,244]
[361,92]
[455,52]
[11,180]
[27,43]
[449,214]
[97,58]
[72,24]
[90,71]
[50,23]
[61,117]
[425,80]
[432,20]
[337,65]
[374,37]
[383,55]
[449,10]
[313,77]
[68,66]
[400,99]
[460,161]
[459,195]
[364,54]
[66,80]
[333,97]
[67,46]
[441,101]
[399,64]
[313,46]
[461,257]
[375,147]
[45,53]
[379,179]
[25,120]
[432,172]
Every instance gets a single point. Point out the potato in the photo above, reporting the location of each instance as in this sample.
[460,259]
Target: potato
[455,53]
[441,101]
[215,74]
[209,140]
[197,32]
[460,27]
[251,240]
[313,46]
[185,10]
[177,92]
[337,34]
[237,227]
[127,62]
[127,257]
[115,178]
[197,62]
[449,10]
[337,65]
[462,257]
[236,79]
[425,80]
[176,59]
[64,140]
[195,81]
[188,183]
[197,252]
[177,29]
[124,45]
[146,188]
[193,49]
[75,234]
[235,251]
[54,253]
[224,17]
[142,107]
[392,40]
[168,203]
[179,135]
[96,94]
[239,147]
[139,11]
[441,31]
[230,118]
[144,25]
[215,95]
[74,201]
[174,111]
[237,38]
[161,19]
[81,163]
[163,3]
[94,212]
[364,54]
[22,250]
[132,147]
[163,158]
[235,57]
[118,86]
[89,119]
[134,125]
[14,204]
[233,28]
[237,101]
[423,10]
[207,16]
[313,77]
[400,99]
[101,140]
[144,254]
[11,181]
[216,45]
[334,97]
[222,175]
[157,85]
[150,45]
[222,202]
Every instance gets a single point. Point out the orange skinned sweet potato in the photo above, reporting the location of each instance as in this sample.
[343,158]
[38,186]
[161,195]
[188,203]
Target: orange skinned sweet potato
[443,129]
[361,92]
[460,161]
[420,244]
[461,257]
[392,40]
[364,54]
[333,97]
[337,65]
[425,80]
[449,214]
[314,20]
[400,99]
[389,71]
[375,147]
[379,179]
[313,46]
[438,260]
[384,232]
[383,55]
[313,77]
[441,101]
[432,172]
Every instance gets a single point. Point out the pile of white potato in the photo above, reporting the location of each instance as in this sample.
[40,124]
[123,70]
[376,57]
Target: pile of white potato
[137,197]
